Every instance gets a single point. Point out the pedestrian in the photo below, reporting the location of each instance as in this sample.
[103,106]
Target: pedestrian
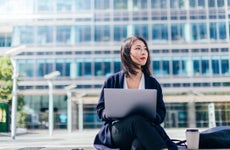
[135,131]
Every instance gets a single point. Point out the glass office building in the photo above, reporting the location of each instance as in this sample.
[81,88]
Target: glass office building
[188,41]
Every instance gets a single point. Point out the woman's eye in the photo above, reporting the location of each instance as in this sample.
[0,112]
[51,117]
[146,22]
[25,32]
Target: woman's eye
[138,49]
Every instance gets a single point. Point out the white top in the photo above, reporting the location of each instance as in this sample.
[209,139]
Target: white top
[141,85]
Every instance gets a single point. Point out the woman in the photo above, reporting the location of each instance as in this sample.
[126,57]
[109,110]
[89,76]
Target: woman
[135,131]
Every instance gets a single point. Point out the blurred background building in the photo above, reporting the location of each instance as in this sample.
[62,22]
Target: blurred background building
[188,41]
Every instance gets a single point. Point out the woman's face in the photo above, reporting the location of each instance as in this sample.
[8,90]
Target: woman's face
[139,53]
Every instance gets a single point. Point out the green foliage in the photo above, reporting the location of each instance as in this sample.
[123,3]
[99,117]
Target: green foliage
[6,71]
[21,115]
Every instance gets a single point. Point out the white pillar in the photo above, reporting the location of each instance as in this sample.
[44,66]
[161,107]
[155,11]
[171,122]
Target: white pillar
[69,113]
[51,107]
[14,100]
[211,115]
[80,114]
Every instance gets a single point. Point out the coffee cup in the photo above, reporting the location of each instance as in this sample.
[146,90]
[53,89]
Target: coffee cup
[192,138]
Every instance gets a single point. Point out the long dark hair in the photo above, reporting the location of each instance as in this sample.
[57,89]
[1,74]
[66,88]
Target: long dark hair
[128,66]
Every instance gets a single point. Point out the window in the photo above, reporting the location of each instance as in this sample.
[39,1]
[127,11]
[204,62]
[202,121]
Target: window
[26,67]
[64,6]
[211,3]
[156,67]
[160,32]
[192,3]
[83,34]
[215,66]
[63,34]
[44,35]
[120,32]
[101,4]
[224,65]
[82,5]
[26,34]
[87,67]
[45,5]
[139,4]
[117,65]
[120,4]
[165,67]
[141,30]
[222,30]
[213,31]
[196,67]
[98,70]
[205,66]
[102,33]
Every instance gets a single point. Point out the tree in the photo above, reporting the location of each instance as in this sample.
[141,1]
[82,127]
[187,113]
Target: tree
[6,71]
[6,86]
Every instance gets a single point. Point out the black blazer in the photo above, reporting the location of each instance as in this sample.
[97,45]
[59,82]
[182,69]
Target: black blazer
[103,138]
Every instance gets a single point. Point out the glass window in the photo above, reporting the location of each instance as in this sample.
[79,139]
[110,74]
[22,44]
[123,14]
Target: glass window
[215,66]
[44,35]
[220,3]
[139,4]
[155,4]
[222,30]
[101,4]
[79,70]
[120,32]
[181,3]
[196,67]
[44,67]
[120,4]
[163,3]
[228,3]
[192,3]
[205,67]
[211,3]
[165,67]
[160,32]
[173,3]
[141,30]
[156,67]
[102,33]
[98,70]
[82,5]
[174,32]
[88,67]
[201,3]
[175,67]
[63,67]
[45,5]
[26,67]
[203,31]
[26,35]
[194,32]
[64,6]
[107,67]
[83,34]
[225,66]
[213,31]
[63,34]
[117,65]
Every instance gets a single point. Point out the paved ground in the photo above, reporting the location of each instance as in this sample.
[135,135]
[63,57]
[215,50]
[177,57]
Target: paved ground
[61,139]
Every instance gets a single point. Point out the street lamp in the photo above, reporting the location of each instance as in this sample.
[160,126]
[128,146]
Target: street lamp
[13,52]
[49,77]
[69,89]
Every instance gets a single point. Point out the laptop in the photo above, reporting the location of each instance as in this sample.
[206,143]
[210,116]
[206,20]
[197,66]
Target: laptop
[120,103]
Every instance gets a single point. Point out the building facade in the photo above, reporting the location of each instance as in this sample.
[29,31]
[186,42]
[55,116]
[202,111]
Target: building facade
[188,42]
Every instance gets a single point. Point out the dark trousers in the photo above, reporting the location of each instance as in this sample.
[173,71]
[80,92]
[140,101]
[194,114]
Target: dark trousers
[136,132]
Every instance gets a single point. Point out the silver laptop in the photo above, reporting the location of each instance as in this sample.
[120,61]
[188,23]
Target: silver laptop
[120,103]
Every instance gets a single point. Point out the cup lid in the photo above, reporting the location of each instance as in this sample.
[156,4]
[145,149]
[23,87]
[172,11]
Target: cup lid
[192,130]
